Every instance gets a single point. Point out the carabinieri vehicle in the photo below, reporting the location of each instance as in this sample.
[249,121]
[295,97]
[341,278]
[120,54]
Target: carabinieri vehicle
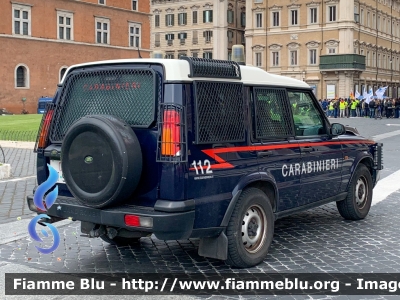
[197,148]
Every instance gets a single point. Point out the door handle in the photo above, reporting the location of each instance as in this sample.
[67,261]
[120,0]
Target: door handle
[307,149]
[265,153]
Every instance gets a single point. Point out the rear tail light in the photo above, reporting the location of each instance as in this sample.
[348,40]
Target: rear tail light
[42,138]
[137,221]
[171,134]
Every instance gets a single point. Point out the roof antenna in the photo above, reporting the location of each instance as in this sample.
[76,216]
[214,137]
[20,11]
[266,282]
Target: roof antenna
[139,52]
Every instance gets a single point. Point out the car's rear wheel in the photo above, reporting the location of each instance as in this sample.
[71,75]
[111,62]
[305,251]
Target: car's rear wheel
[101,160]
[359,195]
[250,229]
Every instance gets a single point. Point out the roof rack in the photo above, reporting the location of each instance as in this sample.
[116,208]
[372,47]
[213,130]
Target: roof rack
[204,67]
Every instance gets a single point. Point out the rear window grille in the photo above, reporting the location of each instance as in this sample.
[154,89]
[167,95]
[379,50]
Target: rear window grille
[272,114]
[128,94]
[204,67]
[219,112]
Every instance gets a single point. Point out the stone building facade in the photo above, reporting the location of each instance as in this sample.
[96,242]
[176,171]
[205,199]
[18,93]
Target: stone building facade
[40,39]
[196,28]
[336,46]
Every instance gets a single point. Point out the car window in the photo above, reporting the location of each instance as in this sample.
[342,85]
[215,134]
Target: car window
[272,117]
[307,118]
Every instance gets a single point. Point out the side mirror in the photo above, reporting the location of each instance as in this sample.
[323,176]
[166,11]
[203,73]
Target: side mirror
[337,129]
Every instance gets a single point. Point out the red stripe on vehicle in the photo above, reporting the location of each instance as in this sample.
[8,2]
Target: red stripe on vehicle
[222,164]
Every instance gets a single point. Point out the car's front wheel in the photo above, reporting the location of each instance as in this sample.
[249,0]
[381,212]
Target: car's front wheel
[359,195]
[250,229]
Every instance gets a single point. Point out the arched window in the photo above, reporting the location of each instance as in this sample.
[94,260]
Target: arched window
[21,77]
[62,72]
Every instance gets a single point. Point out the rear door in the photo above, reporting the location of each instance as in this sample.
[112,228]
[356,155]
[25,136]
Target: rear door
[276,148]
[322,156]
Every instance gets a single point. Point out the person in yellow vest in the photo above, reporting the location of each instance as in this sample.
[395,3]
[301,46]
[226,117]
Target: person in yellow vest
[353,108]
[331,109]
[342,107]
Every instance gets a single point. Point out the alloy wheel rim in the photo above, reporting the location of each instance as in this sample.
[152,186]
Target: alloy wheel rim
[254,228]
[361,192]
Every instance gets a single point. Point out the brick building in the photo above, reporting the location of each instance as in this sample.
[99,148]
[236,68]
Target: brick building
[40,39]
[336,46]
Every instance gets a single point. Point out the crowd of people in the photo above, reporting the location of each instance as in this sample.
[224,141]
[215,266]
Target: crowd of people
[347,107]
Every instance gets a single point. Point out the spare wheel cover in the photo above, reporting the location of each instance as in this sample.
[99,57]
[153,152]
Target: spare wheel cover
[101,160]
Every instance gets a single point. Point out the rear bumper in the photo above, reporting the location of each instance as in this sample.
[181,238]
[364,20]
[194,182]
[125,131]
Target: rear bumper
[166,225]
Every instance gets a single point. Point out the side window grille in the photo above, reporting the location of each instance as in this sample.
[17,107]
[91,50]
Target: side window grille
[172,141]
[272,117]
[219,112]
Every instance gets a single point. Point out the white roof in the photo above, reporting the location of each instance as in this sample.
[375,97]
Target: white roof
[178,70]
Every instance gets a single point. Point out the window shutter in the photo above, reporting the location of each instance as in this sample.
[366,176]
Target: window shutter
[204,55]
[184,18]
[204,16]
[172,36]
[185,35]
[211,33]
[194,20]
[173,21]
[211,15]
[166,20]
[204,34]
[166,37]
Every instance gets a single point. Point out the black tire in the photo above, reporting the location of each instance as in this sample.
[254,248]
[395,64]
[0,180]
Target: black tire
[359,196]
[121,241]
[101,161]
[251,203]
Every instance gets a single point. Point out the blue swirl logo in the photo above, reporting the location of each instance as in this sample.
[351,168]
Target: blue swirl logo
[44,205]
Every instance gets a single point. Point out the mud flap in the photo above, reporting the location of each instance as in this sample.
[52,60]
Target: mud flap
[214,247]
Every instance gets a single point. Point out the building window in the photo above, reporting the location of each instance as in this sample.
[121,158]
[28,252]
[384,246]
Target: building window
[275,59]
[182,37]
[313,15]
[373,21]
[134,35]
[362,17]
[207,55]
[65,26]
[258,20]
[373,59]
[230,36]
[102,31]
[332,50]
[21,77]
[182,18]
[294,17]
[181,54]
[293,58]
[169,36]
[195,54]
[258,60]
[102,2]
[194,17]
[313,56]
[207,16]
[169,20]
[207,35]
[195,38]
[62,72]
[275,18]
[135,5]
[368,59]
[157,40]
[157,20]
[379,61]
[230,16]
[332,13]
[368,19]
[378,23]
[22,19]
[243,19]
[169,56]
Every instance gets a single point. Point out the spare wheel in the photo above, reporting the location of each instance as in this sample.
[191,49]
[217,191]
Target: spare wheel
[101,160]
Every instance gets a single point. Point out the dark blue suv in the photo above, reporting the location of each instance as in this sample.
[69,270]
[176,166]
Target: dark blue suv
[197,148]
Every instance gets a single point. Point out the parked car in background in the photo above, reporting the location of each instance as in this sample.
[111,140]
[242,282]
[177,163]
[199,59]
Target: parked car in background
[42,104]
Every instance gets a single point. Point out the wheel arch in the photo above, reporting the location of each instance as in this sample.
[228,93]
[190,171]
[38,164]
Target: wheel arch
[261,181]
[368,162]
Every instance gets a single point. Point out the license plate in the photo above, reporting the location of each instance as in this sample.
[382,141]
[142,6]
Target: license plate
[56,164]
